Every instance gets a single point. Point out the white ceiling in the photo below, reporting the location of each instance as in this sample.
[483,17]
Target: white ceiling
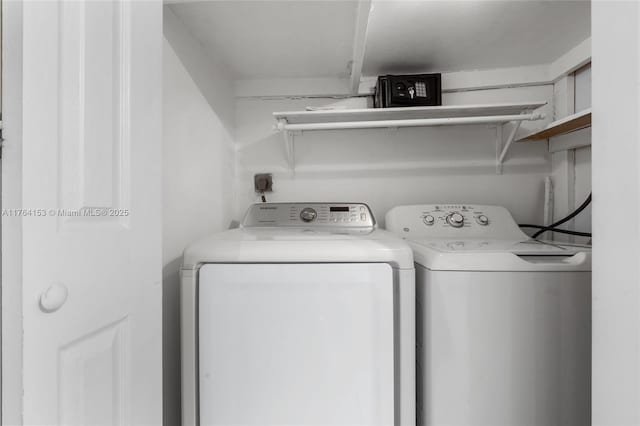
[275,39]
[413,36]
[314,38]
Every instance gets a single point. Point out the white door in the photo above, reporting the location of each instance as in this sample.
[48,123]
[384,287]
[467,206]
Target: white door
[91,254]
[296,344]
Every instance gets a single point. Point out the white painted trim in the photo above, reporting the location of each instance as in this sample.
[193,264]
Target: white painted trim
[481,79]
[339,87]
[564,97]
[563,172]
[12,40]
[535,75]
[548,201]
[571,188]
[573,140]
[575,58]
[359,44]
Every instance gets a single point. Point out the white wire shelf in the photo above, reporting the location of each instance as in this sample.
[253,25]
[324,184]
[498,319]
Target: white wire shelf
[372,118]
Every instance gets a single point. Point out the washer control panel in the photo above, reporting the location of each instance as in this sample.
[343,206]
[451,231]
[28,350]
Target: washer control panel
[452,221]
[455,216]
[334,215]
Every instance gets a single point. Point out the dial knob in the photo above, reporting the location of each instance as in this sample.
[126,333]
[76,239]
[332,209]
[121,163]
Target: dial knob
[482,220]
[456,220]
[308,214]
[429,220]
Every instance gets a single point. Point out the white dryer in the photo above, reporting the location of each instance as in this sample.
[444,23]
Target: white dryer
[503,321]
[305,315]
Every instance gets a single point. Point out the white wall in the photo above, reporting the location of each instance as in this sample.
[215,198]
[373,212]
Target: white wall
[616,213]
[198,168]
[211,74]
[387,167]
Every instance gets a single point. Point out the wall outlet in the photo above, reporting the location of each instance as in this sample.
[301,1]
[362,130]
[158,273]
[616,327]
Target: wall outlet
[263,182]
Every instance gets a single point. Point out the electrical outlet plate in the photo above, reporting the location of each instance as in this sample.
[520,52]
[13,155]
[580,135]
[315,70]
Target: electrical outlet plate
[263,182]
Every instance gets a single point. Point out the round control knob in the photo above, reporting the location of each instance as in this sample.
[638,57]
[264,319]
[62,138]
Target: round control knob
[429,220]
[456,220]
[482,220]
[308,214]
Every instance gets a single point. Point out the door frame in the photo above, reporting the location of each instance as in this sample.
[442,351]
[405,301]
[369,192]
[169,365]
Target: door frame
[11,259]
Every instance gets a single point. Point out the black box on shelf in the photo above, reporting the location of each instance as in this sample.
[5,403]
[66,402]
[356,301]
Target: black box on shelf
[408,90]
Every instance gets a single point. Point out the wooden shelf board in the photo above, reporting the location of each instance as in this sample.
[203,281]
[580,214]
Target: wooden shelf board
[568,124]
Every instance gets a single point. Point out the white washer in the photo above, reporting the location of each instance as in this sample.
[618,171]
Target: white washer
[503,322]
[303,316]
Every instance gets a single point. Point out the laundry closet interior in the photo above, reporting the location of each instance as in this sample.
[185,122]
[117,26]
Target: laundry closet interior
[291,89]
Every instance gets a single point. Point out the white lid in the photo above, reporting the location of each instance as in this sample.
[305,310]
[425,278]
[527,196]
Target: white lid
[487,240]
[303,232]
[516,257]
[295,245]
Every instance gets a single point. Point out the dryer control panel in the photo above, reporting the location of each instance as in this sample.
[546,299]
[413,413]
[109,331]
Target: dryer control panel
[311,215]
[453,221]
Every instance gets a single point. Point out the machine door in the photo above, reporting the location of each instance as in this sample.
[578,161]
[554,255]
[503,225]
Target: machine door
[296,344]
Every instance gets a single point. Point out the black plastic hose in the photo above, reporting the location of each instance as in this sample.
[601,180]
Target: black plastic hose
[560,231]
[553,226]
[575,213]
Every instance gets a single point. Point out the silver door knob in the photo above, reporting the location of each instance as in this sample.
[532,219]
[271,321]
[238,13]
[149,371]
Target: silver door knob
[53,298]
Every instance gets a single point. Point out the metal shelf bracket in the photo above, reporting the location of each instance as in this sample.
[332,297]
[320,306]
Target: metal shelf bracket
[289,149]
[289,143]
[503,148]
